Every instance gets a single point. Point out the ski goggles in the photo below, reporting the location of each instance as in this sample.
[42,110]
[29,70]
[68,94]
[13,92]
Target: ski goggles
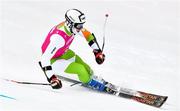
[78,26]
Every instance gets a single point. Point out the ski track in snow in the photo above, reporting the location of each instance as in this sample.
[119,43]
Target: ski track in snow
[141,53]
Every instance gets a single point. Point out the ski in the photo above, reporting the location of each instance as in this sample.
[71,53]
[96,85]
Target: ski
[143,97]
[138,96]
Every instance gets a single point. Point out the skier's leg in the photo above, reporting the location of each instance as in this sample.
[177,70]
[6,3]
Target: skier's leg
[80,61]
[95,81]
[85,74]
[72,64]
[80,70]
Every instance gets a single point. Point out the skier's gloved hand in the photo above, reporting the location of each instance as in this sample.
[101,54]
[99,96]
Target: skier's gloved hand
[55,82]
[99,56]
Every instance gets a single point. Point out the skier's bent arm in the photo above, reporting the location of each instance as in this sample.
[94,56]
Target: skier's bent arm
[89,38]
[99,56]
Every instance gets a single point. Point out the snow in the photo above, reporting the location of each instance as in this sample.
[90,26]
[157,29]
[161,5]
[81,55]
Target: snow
[142,46]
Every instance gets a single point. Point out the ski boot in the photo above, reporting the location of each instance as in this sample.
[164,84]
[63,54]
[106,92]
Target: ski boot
[100,84]
[97,83]
[111,89]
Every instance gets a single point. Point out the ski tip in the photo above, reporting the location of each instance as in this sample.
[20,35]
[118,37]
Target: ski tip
[163,101]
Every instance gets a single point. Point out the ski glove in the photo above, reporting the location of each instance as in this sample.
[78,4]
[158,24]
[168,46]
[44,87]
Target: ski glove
[55,82]
[99,56]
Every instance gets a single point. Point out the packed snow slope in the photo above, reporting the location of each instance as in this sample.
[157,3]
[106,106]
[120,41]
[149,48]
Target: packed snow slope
[141,51]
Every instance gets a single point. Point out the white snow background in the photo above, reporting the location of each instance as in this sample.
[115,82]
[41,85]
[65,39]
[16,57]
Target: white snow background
[141,51]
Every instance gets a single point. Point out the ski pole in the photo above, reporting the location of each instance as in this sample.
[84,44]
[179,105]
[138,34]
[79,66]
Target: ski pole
[43,71]
[104,27]
[32,83]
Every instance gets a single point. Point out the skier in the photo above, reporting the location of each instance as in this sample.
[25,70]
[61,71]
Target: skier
[56,54]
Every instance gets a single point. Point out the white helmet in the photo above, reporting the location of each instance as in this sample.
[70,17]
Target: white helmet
[75,19]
